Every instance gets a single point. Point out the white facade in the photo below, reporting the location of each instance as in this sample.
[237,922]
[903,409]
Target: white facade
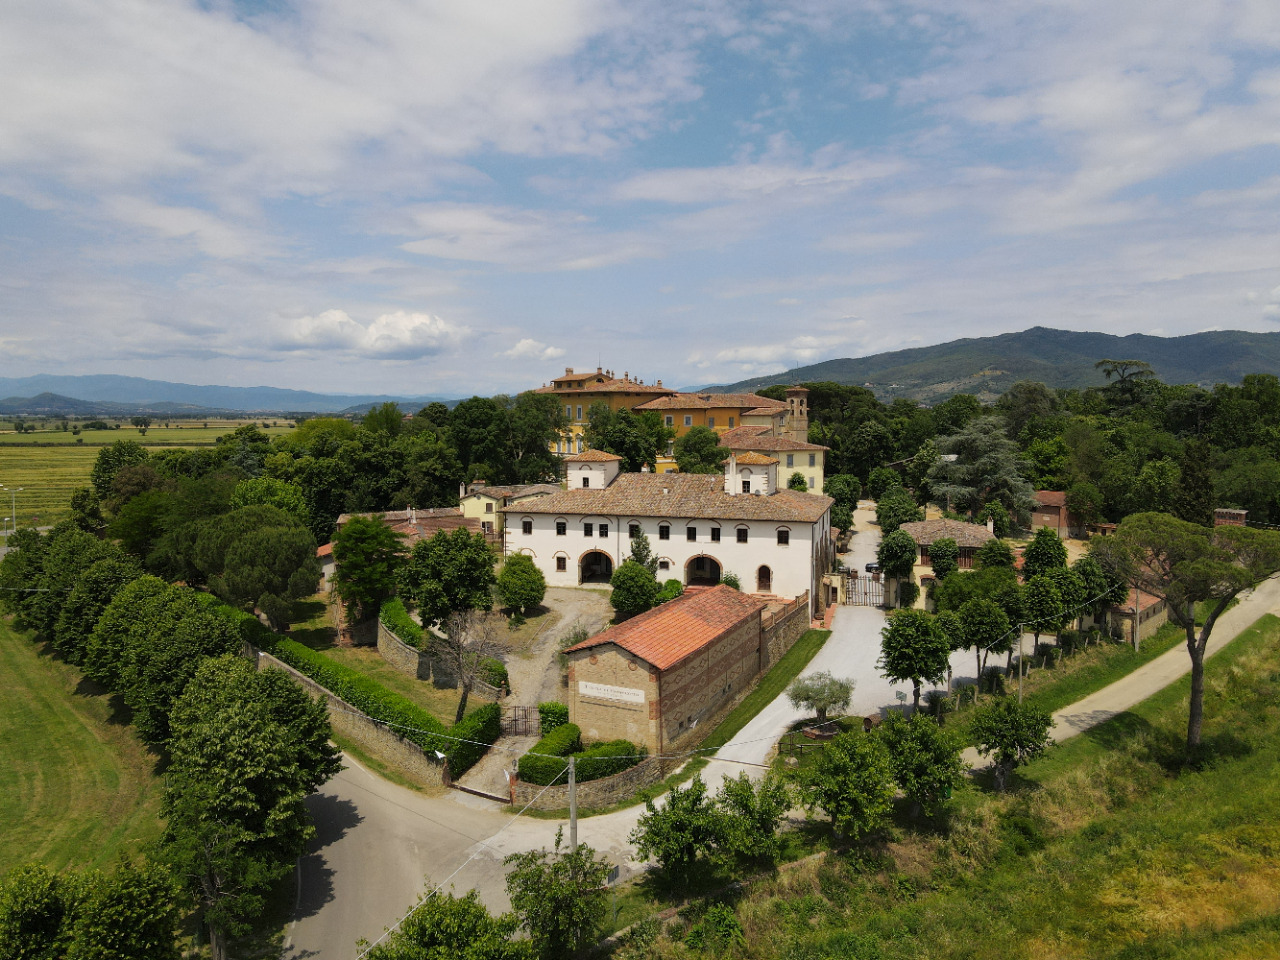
[590,474]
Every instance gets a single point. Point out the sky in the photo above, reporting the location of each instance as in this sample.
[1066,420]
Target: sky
[421,197]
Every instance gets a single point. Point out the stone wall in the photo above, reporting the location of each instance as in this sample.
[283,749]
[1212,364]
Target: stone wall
[783,629]
[400,655]
[373,737]
[593,794]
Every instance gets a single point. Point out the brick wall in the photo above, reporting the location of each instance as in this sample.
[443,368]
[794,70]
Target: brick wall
[783,629]
[611,719]
[400,655]
[593,794]
[372,737]
[694,690]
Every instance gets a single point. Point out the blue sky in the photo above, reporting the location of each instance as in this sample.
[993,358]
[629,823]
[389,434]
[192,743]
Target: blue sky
[449,198]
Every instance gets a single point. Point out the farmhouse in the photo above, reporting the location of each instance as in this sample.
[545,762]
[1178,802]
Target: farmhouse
[968,537]
[1051,511]
[417,524]
[700,527]
[484,502]
[658,677]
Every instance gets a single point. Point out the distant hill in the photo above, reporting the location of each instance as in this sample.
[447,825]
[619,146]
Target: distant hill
[122,395]
[987,366]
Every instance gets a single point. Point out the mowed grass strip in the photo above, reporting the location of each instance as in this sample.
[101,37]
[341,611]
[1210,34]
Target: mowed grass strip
[48,476]
[76,784]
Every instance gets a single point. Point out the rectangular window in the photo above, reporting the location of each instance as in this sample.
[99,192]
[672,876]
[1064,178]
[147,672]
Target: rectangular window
[526,527]
[604,529]
[688,421]
[742,534]
[784,537]
[579,411]
[664,532]
[663,565]
[561,564]
[746,486]
[488,508]
[691,533]
[813,459]
[731,422]
[562,527]
[633,530]
[568,412]
[587,529]
[586,482]
[791,459]
[711,421]
[671,421]
[811,483]
[715,534]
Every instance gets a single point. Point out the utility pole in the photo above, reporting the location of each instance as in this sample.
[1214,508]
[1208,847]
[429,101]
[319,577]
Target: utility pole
[573,805]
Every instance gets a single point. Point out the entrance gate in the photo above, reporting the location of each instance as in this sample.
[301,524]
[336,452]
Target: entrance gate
[865,592]
[521,722]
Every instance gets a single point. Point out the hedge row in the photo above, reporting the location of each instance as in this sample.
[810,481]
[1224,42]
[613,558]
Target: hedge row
[606,759]
[552,714]
[560,742]
[376,701]
[396,619]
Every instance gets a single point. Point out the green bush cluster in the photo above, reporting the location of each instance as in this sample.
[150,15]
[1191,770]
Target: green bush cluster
[376,701]
[553,714]
[494,672]
[606,759]
[670,590]
[396,619]
[541,765]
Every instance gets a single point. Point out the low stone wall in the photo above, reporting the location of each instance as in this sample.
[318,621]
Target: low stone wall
[593,794]
[400,655]
[374,737]
[783,629]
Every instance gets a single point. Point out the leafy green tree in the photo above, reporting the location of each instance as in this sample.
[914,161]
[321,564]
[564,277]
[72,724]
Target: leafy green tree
[140,524]
[1045,552]
[925,758]
[560,897]
[985,627]
[244,448]
[852,782]
[642,553]
[895,508]
[130,915]
[912,647]
[445,927]
[944,557]
[367,555]
[86,510]
[471,640]
[798,482]
[896,555]
[521,584]
[1101,589]
[1001,522]
[111,460]
[1072,591]
[1023,405]
[880,480]
[752,813]
[674,835]
[1011,733]
[1185,564]
[269,491]
[387,418]
[670,590]
[985,468]
[845,489]
[994,553]
[1193,498]
[841,517]
[68,553]
[1044,607]
[142,423]
[636,437]
[127,614]
[34,911]
[820,692]
[277,561]
[1085,502]
[88,600]
[635,589]
[730,579]
[449,573]
[699,451]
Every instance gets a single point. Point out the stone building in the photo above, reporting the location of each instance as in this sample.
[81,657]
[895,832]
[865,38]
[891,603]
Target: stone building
[659,677]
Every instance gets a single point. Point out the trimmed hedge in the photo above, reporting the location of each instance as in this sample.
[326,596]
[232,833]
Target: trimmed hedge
[560,742]
[396,619]
[376,701]
[552,714]
[606,759]
[494,672]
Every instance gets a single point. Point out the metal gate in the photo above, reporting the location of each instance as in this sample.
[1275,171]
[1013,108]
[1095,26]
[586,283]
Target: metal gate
[865,592]
[521,722]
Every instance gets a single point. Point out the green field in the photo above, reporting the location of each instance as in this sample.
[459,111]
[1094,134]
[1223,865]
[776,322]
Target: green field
[76,784]
[179,433]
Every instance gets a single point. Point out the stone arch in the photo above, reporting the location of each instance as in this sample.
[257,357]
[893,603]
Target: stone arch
[702,570]
[764,579]
[595,566]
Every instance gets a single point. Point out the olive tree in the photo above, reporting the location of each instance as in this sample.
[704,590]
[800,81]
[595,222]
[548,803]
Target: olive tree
[820,692]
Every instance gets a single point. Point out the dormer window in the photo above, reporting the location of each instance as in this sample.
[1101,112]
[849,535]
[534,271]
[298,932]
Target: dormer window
[746,486]
[586,482]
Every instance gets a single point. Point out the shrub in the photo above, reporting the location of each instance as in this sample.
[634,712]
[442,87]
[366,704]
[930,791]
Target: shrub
[908,593]
[494,672]
[606,759]
[553,714]
[542,765]
[396,619]
[731,580]
[670,590]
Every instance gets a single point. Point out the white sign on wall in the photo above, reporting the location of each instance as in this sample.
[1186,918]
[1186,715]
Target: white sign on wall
[606,691]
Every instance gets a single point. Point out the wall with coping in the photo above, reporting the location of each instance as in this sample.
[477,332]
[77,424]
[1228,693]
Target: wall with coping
[783,629]
[400,655]
[593,794]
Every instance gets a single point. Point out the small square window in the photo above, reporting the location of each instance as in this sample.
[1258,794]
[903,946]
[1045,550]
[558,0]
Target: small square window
[488,508]
[813,459]
[784,537]
[586,482]
[588,529]
[671,421]
[562,564]
[633,530]
[526,527]
[746,486]
[562,527]
[691,533]
[791,459]
[715,534]
[742,534]
[664,532]
[604,529]
[688,421]
[663,565]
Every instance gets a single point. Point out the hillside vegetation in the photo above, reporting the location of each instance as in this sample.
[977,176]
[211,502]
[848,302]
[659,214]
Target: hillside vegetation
[988,366]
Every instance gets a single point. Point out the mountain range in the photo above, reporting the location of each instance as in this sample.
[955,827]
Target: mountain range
[987,366]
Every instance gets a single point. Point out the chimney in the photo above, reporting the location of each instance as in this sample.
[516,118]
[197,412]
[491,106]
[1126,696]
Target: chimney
[991,525]
[568,371]
[644,468]
[462,490]
[659,383]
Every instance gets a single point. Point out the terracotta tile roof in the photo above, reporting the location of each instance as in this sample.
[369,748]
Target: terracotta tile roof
[758,437]
[1138,601]
[605,385]
[325,550]
[925,532]
[710,401]
[1051,498]
[752,459]
[669,633]
[679,496]
[592,456]
[510,491]
[421,524]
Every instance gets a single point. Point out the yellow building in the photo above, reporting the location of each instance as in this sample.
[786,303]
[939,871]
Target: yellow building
[578,391]
[483,502]
[793,456]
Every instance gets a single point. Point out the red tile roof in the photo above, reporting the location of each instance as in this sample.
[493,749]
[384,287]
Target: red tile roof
[759,437]
[925,532]
[751,458]
[669,633]
[1051,498]
[325,550]
[714,401]
[592,456]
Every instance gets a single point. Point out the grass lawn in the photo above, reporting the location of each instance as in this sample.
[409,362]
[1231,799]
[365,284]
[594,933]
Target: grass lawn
[76,784]
[313,627]
[180,432]
[1111,846]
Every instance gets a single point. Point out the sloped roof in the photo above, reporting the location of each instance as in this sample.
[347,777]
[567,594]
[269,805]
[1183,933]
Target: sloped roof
[925,532]
[1051,498]
[758,437]
[752,459]
[679,496]
[511,490]
[669,633]
[592,456]
[710,401]
[421,524]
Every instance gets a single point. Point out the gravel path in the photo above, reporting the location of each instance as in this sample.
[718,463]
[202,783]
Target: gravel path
[536,677]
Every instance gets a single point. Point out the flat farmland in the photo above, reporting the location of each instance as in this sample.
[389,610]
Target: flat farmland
[187,433]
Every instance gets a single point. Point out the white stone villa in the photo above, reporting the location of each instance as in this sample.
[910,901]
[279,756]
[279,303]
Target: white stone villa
[700,526]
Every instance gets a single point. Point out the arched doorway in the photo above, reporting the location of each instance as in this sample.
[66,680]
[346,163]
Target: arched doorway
[702,571]
[595,567]
[764,580]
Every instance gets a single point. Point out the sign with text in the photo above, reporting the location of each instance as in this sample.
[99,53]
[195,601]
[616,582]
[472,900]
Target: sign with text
[606,691]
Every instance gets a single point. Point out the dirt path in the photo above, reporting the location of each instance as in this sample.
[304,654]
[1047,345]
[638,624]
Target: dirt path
[536,677]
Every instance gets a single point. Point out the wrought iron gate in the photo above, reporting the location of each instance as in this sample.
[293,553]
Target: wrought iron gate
[865,592]
[521,722]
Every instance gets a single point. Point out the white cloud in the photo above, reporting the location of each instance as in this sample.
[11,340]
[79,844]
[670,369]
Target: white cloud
[529,349]
[391,336]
